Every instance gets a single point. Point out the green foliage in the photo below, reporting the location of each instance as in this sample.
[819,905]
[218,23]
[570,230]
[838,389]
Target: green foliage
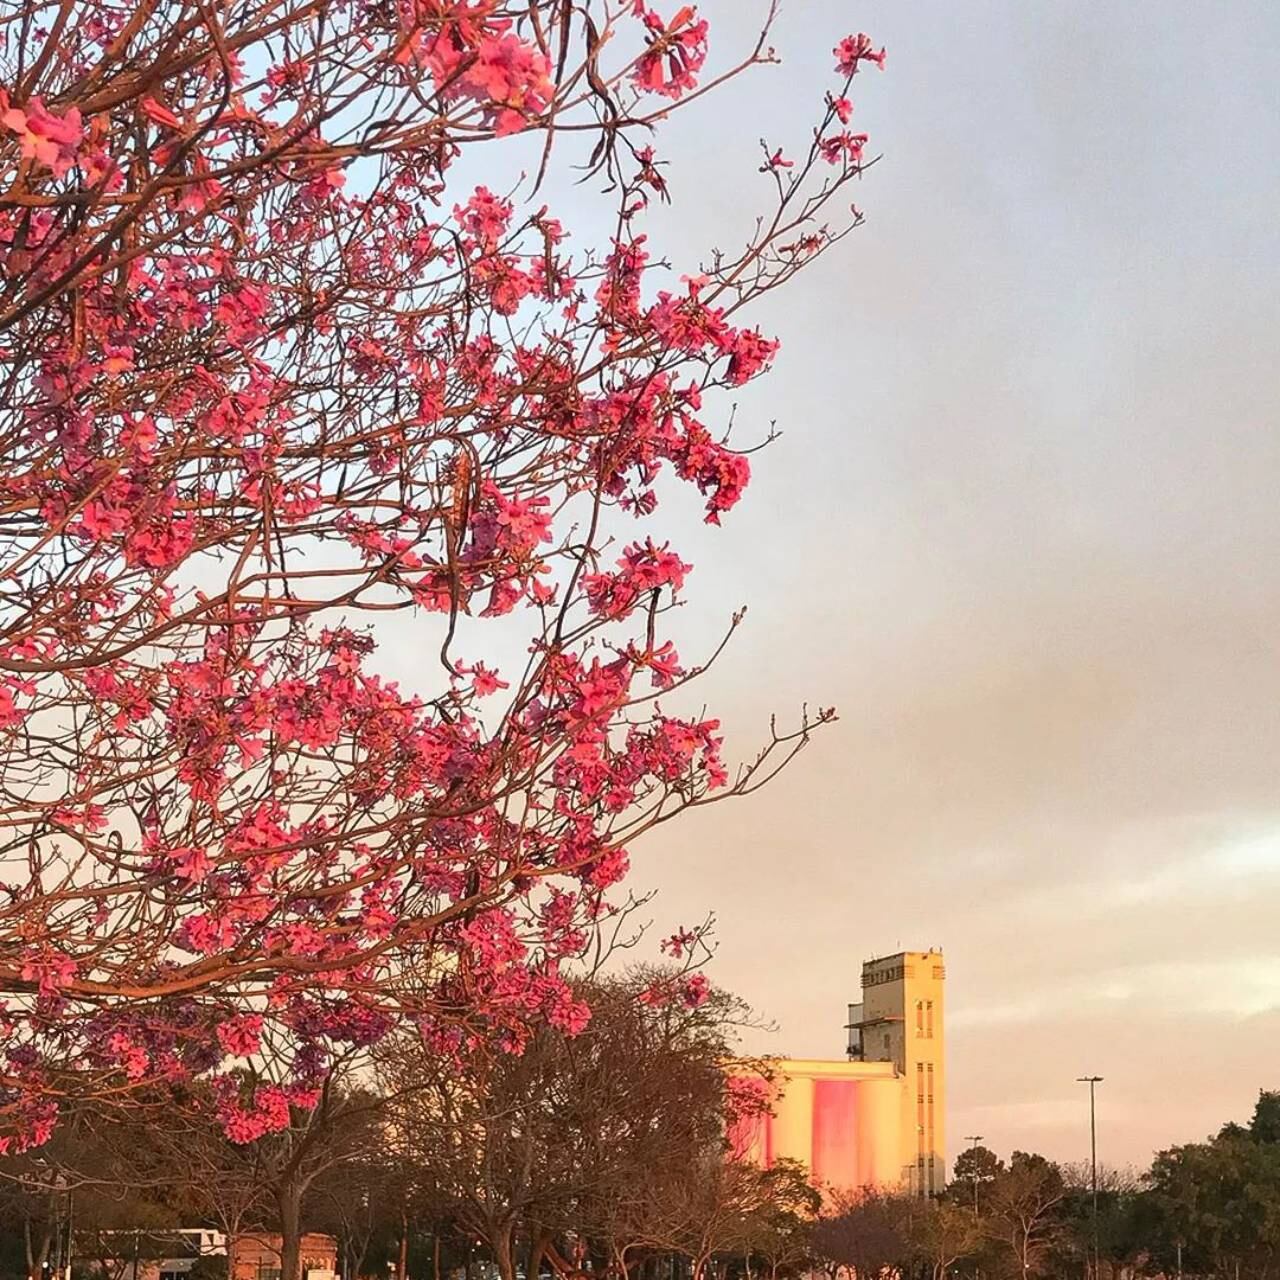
[211,1267]
[776,1224]
[1265,1125]
[975,1166]
[1219,1201]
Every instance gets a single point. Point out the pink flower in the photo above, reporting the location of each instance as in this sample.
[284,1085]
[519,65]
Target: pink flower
[485,682]
[695,990]
[506,75]
[100,169]
[49,970]
[205,934]
[484,216]
[160,114]
[569,1015]
[680,943]
[844,146]
[10,713]
[50,140]
[677,51]
[270,1113]
[644,568]
[288,75]
[190,863]
[750,352]
[608,870]
[131,1056]
[242,1128]
[242,310]
[241,1037]
[510,72]
[161,543]
[853,50]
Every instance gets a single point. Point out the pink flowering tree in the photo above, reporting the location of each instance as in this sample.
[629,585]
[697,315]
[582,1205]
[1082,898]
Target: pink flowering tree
[272,370]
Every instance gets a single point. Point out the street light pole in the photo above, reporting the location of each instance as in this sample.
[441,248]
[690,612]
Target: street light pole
[1093,1082]
[973,1139]
[71,1235]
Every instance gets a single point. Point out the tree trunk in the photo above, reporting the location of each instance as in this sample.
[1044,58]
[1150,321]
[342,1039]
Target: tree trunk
[537,1247]
[435,1255]
[289,1203]
[559,1263]
[500,1243]
[36,1253]
[402,1259]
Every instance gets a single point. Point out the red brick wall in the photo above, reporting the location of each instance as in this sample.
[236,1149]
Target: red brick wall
[257,1257]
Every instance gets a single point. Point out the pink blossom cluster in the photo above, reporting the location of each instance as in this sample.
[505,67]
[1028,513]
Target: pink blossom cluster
[272,374]
[473,56]
[676,53]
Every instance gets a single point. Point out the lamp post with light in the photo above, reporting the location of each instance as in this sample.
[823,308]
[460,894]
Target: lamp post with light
[973,1139]
[1093,1082]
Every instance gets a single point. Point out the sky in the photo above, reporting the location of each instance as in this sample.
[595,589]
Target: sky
[1020,528]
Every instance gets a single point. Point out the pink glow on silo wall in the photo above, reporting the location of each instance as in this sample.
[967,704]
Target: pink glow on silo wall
[844,1131]
[749,1139]
[835,1132]
[750,1101]
[879,1160]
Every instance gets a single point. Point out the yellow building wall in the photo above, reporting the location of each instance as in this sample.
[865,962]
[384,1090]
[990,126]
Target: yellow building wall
[903,1009]
[877,1120]
[839,1119]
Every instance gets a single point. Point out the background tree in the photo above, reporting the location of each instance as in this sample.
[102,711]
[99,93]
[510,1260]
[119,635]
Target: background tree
[173,1144]
[577,1135]
[482,1139]
[363,1203]
[863,1234]
[655,1098]
[1216,1205]
[1264,1126]
[33,1204]
[84,1180]
[976,1169]
[334,1134]
[705,1208]
[944,1232]
[777,1228]
[1121,1241]
[1024,1215]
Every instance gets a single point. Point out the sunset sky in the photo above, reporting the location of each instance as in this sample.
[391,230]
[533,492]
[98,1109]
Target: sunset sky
[367,401]
[1021,528]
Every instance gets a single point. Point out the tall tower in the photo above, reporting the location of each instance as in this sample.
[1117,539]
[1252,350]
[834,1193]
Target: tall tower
[900,1020]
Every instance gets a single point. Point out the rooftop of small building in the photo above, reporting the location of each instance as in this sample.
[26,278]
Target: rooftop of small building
[834,1069]
[905,955]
